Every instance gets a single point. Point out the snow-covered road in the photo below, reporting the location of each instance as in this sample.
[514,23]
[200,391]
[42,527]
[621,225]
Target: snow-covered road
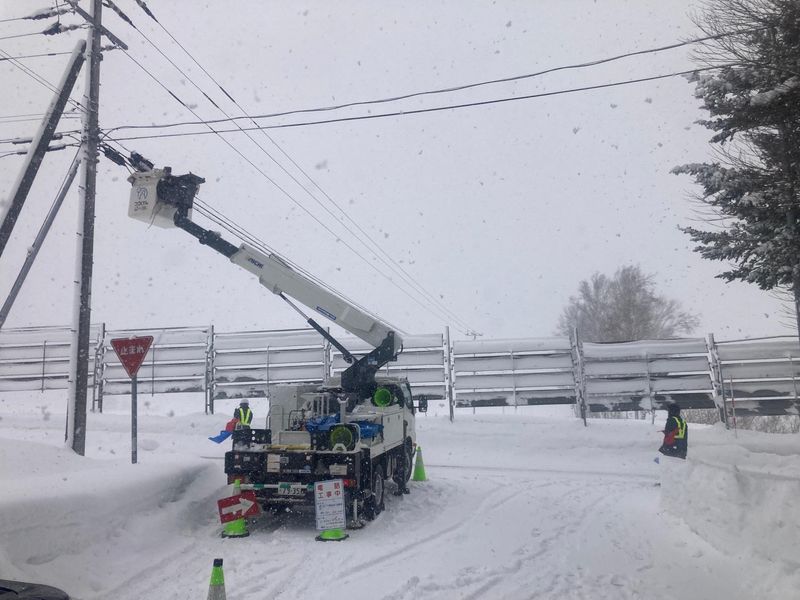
[516,506]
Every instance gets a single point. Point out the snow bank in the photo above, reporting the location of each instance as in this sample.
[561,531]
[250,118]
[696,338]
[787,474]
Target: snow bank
[85,503]
[735,489]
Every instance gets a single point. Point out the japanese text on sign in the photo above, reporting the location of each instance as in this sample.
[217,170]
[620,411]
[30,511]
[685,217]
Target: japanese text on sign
[329,502]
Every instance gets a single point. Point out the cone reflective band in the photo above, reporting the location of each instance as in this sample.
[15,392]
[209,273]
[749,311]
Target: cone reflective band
[216,587]
[217,577]
[238,527]
[382,397]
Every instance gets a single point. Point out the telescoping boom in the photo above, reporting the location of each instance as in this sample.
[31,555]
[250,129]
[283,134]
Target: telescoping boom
[165,200]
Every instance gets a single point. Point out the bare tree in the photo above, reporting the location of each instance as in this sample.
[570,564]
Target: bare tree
[622,308]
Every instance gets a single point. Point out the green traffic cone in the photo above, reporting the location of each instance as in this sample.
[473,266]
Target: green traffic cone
[332,535]
[238,527]
[419,467]
[216,588]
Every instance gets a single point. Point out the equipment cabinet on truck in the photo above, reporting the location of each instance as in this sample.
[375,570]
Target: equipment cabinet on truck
[364,443]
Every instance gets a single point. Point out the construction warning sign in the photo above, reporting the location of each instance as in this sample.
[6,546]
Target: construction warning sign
[329,502]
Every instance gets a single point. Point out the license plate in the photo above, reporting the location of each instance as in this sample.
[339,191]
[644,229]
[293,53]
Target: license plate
[292,489]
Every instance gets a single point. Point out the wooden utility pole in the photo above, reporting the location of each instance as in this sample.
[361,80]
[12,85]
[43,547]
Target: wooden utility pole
[39,144]
[79,354]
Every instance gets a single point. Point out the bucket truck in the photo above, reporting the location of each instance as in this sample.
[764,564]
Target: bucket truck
[358,427]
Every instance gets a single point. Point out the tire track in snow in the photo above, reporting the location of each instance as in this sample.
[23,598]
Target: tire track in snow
[490,581]
[469,576]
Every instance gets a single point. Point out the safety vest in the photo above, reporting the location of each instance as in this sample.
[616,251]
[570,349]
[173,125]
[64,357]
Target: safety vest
[244,416]
[681,432]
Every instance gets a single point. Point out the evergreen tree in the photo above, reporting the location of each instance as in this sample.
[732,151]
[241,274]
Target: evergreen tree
[753,100]
[623,308]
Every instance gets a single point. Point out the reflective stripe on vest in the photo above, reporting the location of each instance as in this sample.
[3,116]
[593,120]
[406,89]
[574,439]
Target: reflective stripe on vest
[245,417]
[681,432]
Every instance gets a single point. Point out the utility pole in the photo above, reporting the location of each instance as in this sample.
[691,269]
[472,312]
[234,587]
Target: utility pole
[79,354]
[39,144]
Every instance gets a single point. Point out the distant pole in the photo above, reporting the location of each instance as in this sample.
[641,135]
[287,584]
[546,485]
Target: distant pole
[447,359]
[79,355]
[733,407]
[39,145]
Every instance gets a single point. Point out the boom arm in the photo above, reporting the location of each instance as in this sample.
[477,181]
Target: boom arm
[170,194]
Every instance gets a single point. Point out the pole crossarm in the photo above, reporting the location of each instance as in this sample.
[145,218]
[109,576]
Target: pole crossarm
[74,4]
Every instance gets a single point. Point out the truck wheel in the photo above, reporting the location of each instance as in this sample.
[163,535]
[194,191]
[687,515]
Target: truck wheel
[373,506]
[403,474]
[409,463]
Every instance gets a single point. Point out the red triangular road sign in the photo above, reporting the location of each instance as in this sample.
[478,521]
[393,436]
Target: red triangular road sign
[131,352]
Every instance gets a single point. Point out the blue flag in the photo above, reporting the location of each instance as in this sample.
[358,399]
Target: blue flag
[223,435]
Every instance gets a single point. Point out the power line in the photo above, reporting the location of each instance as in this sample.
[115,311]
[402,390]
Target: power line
[21,35]
[237,230]
[53,148]
[266,176]
[451,89]
[218,132]
[391,264]
[404,113]
[35,55]
[36,77]
[240,232]
[447,89]
[62,134]
[42,14]
[20,121]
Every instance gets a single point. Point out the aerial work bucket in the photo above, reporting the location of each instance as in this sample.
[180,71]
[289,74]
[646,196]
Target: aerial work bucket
[144,204]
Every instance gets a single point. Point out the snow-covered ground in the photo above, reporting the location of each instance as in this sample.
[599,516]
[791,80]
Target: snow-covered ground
[519,504]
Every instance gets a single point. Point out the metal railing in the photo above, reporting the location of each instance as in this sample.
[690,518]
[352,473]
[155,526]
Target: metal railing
[762,376]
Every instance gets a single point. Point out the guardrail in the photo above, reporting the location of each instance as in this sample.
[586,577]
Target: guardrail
[759,376]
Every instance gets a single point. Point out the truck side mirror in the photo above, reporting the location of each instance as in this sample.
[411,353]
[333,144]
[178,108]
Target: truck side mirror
[422,404]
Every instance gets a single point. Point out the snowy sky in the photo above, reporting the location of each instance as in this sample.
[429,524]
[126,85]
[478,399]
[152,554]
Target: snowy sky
[498,210]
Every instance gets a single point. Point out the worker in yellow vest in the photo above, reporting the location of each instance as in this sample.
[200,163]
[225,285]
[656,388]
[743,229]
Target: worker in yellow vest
[243,415]
[676,434]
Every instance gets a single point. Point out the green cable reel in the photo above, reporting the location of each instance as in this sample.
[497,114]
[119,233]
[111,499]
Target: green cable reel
[382,397]
[341,434]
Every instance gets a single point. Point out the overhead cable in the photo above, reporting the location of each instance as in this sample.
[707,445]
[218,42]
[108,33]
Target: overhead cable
[20,35]
[35,55]
[369,244]
[280,188]
[228,224]
[38,78]
[452,88]
[41,14]
[405,113]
